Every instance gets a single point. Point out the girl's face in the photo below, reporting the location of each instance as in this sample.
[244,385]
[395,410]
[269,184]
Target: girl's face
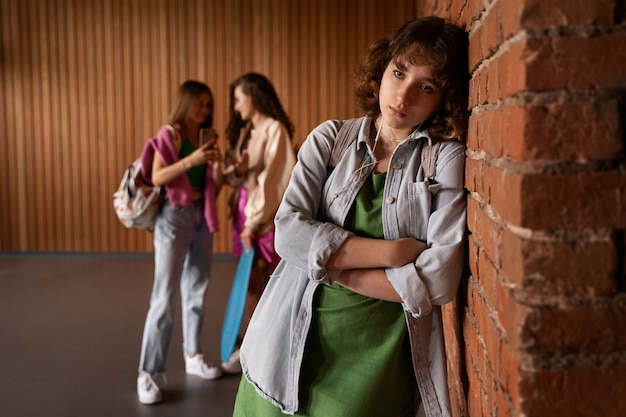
[408,96]
[200,110]
[243,104]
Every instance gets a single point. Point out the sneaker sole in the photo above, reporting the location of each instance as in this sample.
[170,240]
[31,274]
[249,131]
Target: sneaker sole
[217,375]
[150,401]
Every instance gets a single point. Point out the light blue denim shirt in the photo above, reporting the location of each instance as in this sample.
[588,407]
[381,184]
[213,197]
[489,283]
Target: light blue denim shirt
[308,232]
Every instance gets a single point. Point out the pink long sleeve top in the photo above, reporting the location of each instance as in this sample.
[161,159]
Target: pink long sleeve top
[178,191]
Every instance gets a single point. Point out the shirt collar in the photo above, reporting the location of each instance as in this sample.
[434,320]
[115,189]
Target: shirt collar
[365,129]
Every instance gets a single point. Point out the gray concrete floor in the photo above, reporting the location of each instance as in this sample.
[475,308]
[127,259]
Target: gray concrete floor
[70,334]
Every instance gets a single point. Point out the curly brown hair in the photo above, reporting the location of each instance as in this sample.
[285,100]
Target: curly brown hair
[431,40]
[264,99]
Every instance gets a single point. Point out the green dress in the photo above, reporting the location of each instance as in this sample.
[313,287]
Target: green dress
[357,359]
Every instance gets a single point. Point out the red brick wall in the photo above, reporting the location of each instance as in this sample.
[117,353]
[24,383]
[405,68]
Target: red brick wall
[539,326]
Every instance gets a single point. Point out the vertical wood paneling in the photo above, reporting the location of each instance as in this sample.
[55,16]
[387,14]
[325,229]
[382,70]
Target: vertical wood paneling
[85,83]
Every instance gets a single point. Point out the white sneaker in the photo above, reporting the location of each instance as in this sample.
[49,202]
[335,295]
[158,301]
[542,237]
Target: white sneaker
[232,365]
[197,366]
[147,390]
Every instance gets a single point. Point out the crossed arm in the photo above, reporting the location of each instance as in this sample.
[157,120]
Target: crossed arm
[363,262]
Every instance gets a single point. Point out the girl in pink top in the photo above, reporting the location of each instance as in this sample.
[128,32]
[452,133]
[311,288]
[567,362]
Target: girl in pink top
[183,236]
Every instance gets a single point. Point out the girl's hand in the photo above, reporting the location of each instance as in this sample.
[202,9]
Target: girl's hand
[404,251]
[246,236]
[241,166]
[207,153]
[200,155]
[214,154]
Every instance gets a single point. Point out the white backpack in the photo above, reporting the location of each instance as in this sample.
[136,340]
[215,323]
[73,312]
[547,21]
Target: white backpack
[135,202]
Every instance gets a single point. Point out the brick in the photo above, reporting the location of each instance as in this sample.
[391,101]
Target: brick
[579,131]
[512,70]
[455,364]
[575,63]
[485,275]
[563,63]
[496,294]
[470,336]
[510,374]
[583,268]
[514,121]
[575,201]
[473,169]
[483,89]
[493,134]
[474,8]
[455,10]
[515,318]
[474,138]
[472,256]
[504,406]
[482,383]
[484,230]
[495,194]
[551,13]
[489,333]
[553,202]
[490,36]
[511,17]
[453,339]
[493,85]
[504,192]
[472,141]
[583,330]
[475,378]
[574,392]
[482,79]
[470,12]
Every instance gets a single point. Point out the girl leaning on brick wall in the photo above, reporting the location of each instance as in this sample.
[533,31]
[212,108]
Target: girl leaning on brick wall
[350,322]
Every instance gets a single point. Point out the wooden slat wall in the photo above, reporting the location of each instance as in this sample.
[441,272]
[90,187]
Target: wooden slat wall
[84,84]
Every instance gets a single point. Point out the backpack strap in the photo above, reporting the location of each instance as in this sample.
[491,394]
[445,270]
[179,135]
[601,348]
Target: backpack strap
[344,138]
[429,160]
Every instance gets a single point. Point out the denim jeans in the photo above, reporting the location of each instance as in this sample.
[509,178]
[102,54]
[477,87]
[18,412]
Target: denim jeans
[183,250]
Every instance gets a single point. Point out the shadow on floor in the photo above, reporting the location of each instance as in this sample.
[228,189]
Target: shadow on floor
[71,328]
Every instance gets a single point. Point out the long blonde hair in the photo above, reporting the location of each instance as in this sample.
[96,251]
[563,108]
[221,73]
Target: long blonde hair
[188,93]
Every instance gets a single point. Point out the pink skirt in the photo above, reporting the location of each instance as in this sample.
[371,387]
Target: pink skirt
[263,243]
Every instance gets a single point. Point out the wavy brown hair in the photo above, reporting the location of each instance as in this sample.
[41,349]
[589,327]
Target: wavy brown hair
[264,100]
[434,41]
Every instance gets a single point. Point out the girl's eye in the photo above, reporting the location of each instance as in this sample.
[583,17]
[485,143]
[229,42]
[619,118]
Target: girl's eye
[398,73]
[428,88]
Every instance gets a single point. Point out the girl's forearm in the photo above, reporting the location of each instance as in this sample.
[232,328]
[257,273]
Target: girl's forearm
[164,174]
[359,252]
[369,282]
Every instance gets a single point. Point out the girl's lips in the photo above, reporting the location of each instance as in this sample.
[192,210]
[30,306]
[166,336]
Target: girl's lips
[397,112]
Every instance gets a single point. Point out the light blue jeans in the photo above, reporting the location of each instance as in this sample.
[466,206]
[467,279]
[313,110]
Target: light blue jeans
[183,251]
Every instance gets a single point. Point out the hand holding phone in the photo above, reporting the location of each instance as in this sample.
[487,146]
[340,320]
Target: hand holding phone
[207,135]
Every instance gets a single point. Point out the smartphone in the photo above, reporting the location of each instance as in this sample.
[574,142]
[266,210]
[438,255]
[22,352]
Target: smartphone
[207,135]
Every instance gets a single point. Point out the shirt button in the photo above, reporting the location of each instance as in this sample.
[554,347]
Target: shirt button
[397,165]
[390,200]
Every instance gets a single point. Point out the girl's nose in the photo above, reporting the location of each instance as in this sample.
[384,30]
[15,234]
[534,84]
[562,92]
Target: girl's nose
[403,97]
